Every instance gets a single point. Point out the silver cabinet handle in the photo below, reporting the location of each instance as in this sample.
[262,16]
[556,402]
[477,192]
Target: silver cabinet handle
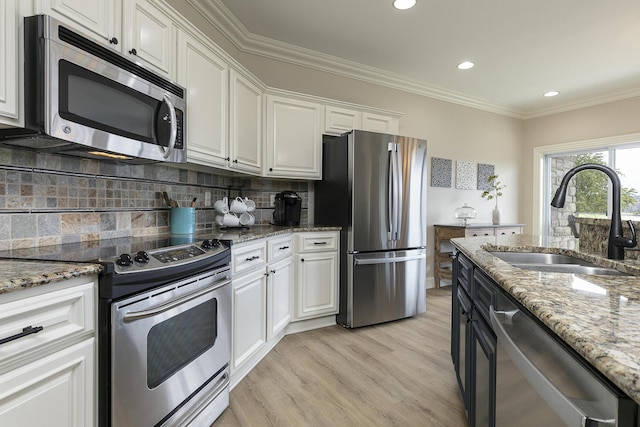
[563,406]
[371,261]
[161,308]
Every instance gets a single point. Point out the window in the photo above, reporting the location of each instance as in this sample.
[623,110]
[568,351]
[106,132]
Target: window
[589,192]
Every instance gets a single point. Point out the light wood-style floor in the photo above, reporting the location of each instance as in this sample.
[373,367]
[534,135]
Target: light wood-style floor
[395,374]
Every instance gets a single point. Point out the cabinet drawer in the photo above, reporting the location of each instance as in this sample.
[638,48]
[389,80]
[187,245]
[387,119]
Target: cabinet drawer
[317,242]
[474,232]
[248,257]
[63,314]
[279,248]
[505,231]
[485,293]
[465,272]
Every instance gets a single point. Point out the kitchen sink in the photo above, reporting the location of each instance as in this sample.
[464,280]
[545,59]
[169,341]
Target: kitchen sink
[557,263]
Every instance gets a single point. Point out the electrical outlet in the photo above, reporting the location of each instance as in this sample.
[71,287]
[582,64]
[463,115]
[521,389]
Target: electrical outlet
[207,198]
[272,200]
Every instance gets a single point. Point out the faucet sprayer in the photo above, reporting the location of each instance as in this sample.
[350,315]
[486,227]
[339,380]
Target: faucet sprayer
[617,242]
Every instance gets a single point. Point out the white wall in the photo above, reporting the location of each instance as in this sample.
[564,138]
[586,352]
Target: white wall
[598,122]
[452,131]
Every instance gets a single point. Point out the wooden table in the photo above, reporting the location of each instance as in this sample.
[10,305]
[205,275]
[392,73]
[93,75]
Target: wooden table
[444,232]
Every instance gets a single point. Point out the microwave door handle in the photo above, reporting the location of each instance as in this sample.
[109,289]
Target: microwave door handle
[174,126]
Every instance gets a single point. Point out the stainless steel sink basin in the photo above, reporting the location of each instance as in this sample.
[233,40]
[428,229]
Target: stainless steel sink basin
[558,263]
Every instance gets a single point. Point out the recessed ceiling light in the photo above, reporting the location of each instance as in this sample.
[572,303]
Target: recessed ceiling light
[466,65]
[551,93]
[404,4]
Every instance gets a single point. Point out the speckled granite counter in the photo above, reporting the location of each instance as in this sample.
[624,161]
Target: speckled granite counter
[22,273]
[263,231]
[598,316]
[18,274]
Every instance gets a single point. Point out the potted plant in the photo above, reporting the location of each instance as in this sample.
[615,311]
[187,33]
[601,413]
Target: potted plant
[493,191]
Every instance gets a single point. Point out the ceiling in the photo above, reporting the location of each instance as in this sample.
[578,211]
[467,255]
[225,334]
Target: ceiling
[588,50]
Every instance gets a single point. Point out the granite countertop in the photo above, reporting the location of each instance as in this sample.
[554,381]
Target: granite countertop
[598,316]
[241,235]
[21,273]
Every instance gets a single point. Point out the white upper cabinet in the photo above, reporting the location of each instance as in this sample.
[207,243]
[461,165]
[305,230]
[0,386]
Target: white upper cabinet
[379,123]
[9,62]
[205,76]
[294,138]
[99,19]
[149,36]
[245,124]
[339,120]
[138,29]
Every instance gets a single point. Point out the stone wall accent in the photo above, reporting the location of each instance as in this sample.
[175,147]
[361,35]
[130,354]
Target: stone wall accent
[559,218]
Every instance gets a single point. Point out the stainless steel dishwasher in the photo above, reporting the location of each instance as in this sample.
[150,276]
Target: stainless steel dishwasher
[539,382]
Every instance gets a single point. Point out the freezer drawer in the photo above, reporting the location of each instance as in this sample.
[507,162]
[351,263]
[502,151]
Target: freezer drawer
[385,286]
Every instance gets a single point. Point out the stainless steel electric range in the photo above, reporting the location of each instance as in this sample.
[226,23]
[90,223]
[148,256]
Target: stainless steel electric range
[164,326]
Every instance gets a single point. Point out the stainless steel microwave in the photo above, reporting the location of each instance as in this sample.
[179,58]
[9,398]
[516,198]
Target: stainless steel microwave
[84,99]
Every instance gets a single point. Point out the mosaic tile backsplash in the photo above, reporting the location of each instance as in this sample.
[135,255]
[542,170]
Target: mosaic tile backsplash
[51,199]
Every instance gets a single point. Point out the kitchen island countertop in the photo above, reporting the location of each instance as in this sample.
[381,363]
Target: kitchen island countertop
[598,316]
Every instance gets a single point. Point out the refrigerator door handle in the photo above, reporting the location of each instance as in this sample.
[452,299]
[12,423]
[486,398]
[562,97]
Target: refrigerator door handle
[393,192]
[390,192]
[397,179]
[372,261]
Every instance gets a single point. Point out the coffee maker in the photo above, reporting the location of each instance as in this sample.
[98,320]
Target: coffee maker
[287,211]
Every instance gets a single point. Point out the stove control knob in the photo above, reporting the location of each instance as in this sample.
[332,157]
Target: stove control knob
[142,257]
[124,260]
[207,244]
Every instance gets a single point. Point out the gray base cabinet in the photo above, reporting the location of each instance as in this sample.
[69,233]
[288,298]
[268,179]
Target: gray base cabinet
[473,343]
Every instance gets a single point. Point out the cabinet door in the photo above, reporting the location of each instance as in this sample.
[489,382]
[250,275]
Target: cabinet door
[294,138]
[340,120]
[205,77]
[484,376]
[279,296]
[99,19]
[245,124]
[9,61]
[249,316]
[316,285]
[148,36]
[54,391]
[378,123]
[461,331]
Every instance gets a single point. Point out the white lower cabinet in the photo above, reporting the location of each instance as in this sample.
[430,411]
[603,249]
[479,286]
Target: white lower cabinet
[279,296]
[55,391]
[271,289]
[48,377]
[249,316]
[316,285]
[317,267]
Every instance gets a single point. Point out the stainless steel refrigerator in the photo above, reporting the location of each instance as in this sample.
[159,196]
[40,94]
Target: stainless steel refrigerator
[374,186]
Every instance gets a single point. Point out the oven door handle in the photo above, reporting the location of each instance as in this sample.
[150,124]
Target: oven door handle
[161,308]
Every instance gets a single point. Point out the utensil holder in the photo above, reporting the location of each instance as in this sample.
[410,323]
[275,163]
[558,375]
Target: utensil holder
[182,220]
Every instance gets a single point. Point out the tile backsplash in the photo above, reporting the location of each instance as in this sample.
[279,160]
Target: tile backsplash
[50,199]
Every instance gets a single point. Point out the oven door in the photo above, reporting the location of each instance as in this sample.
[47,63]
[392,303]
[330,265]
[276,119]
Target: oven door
[167,344]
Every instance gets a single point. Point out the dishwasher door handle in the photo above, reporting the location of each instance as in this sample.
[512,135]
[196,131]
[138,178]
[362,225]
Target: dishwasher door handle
[563,406]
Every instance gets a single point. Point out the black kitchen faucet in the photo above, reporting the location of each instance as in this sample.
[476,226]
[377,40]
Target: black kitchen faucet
[617,241]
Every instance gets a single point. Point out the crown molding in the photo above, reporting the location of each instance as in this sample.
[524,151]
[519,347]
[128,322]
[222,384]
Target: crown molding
[216,13]
[224,21]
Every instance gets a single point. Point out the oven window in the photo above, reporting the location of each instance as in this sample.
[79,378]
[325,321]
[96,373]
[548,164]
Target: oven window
[177,341]
[95,101]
